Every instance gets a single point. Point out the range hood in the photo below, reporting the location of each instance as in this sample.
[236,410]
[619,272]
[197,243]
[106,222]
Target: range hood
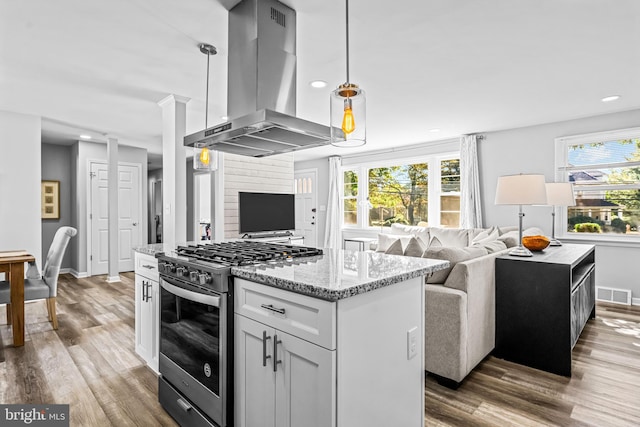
[262,86]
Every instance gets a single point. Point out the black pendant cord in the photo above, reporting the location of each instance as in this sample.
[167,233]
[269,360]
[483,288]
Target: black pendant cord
[347,38]
[206,106]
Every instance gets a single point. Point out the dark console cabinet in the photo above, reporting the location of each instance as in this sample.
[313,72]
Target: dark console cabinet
[542,305]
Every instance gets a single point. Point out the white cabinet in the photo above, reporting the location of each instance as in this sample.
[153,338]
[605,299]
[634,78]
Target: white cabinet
[354,362]
[281,380]
[147,307]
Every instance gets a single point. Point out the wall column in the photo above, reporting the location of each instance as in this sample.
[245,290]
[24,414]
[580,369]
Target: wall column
[174,160]
[113,212]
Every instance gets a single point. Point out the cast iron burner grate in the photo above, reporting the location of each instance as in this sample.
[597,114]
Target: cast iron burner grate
[245,253]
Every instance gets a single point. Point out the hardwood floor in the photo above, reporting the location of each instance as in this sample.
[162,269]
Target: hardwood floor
[604,389]
[90,363]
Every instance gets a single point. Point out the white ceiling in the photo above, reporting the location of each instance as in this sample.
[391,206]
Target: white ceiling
[100,67]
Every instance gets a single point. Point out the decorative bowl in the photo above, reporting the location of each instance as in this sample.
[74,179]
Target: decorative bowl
[535,243]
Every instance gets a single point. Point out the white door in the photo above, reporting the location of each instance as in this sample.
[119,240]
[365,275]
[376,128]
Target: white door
[129,211]
[305,383]
[306,202]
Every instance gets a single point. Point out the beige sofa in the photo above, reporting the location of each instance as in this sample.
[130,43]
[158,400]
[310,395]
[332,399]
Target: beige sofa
[459,302]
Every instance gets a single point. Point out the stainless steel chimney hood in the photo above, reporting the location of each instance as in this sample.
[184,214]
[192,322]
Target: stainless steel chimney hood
[262,86]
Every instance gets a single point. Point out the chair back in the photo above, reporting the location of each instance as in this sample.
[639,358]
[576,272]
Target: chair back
[54,257]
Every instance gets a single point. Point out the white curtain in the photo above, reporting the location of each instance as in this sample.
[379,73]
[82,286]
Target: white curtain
[470,206]
[332,233]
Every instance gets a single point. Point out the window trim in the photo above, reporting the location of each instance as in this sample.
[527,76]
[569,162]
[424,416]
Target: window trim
[560,167]
[362,169]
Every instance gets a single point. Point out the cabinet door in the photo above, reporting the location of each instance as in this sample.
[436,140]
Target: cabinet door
[143,319]
[154,319]
[305,383]
[253,382]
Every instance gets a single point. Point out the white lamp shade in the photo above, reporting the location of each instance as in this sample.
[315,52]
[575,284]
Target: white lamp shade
[560,194]
[521,190]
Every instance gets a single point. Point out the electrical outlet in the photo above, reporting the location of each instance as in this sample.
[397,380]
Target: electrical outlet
[412,342]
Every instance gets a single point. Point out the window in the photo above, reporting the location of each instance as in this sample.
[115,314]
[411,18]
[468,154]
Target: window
[411,192]
[605,171]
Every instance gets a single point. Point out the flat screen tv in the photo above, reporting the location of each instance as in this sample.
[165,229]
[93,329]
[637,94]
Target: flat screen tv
[264,212]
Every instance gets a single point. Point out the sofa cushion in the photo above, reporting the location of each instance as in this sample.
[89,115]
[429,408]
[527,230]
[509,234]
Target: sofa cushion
[451,237]
[454,256]
[421,233]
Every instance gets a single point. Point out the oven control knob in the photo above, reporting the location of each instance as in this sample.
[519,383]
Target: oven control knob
[181,271]
[193,276]
[204,278]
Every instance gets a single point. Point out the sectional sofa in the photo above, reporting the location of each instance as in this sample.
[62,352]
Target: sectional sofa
[459,301]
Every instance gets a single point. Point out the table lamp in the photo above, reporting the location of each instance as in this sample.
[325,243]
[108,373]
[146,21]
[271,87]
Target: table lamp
[521,190]
[558,194]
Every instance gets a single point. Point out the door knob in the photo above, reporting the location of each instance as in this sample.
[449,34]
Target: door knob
[313,223]
[135,224]
[313,209]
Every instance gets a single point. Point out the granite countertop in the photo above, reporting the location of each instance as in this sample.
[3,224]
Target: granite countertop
[335,275]
[339,274]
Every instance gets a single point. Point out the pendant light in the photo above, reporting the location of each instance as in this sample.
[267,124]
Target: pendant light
[348,109]
[205,159]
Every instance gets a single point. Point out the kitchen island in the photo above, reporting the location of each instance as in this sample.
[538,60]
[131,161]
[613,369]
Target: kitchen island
[330,340]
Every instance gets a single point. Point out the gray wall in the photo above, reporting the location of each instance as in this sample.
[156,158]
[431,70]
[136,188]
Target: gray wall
[56,166]
[531,150]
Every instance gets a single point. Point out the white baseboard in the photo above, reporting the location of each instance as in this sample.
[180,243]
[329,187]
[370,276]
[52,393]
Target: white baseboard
[77,274]
[113,279]
[635,301]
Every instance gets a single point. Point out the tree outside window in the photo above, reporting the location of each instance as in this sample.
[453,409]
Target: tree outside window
[350,197]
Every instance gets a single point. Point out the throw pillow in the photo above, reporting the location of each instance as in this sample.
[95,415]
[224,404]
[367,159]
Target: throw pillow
[510,238]
[414,248]
[486,236]
[455,237]
[421,233]
[395,248]
[454,256]
[435,243]
[492,246]
[386,240]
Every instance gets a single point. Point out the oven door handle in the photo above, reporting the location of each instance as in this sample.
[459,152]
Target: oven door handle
[190,295]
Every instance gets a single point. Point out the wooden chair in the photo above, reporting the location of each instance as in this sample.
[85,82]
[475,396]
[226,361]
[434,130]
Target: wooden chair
[45,286]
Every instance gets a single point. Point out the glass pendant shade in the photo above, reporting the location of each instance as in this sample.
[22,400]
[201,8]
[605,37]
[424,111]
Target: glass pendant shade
[348,116]
[204,159]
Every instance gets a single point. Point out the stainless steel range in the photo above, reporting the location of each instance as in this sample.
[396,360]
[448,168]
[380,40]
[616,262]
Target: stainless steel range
[196,326]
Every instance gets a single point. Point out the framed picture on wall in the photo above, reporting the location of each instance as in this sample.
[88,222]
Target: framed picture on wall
[50,199]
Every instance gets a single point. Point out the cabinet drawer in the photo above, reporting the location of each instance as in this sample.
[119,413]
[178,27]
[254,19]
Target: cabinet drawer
[305,317]
[147,266]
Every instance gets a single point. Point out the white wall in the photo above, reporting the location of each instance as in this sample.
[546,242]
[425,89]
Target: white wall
[20,175]
[530,150]
[273,174]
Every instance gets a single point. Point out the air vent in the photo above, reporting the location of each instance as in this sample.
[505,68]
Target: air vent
[279,17]
[618,296]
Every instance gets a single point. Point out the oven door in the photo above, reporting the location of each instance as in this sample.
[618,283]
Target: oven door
[193,337]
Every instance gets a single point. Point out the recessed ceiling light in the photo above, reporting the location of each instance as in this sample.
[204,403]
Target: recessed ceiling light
[85,136]
[434,130]
[318,83]
[225,118]
[610,98]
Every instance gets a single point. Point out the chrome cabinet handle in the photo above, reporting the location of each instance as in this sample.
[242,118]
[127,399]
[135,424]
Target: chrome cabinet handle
[275,353]
[148,293]
[184,405]
[270,307]
[149,266]
[144,291]
[264,348]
